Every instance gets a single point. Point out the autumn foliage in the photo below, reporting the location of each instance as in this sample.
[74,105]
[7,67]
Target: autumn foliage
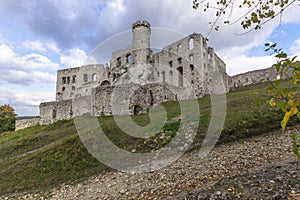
[7,118]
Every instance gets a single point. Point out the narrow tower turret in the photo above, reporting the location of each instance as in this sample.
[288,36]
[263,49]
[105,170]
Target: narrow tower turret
[141,41]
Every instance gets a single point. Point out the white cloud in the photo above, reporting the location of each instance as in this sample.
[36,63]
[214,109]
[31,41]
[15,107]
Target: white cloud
[53,47]
[25,69]
[73,58]
[242,63]
[34,45]
[24,102]
[295,48]
[117,5]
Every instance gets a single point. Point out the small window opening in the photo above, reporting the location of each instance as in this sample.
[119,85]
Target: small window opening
[192,67]
[128,58]
[191,57]
[64,80]
[63,89]
[119,61]
[180,61]
[74,79]
[191,43]
[94,77]
[171,63]
[85,78]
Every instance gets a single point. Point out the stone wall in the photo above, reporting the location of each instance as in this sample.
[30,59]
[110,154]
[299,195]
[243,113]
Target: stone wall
[25,123]
[138,79]
[79,81]
[55,110]
[254,77]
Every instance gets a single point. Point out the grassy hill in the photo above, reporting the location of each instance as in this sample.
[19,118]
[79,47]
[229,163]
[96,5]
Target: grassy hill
[41,157]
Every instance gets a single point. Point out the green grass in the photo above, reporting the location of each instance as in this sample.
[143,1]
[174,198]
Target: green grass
[41,157]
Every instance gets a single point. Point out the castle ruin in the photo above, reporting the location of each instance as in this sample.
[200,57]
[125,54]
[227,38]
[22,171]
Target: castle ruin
[139,79]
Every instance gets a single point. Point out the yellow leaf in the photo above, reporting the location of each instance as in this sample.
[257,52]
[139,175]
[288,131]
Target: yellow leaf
[285,120]
[290,95]
[287,116]
[272,102]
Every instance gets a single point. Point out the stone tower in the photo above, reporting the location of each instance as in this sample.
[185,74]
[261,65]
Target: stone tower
[141,41]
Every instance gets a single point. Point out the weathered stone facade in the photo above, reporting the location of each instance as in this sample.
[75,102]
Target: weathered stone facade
[138,79]
[24,123]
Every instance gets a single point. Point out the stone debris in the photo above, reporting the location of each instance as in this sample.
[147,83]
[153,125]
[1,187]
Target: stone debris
[262,167]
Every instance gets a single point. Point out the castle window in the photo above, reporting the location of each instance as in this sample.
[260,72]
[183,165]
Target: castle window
[180,76]
[128,58]
[171,73]
[192,67]
[68,79]
[63,80]
[163,77]
[180,61]
[158,74]
[94,77]
[119,61]
[192,82]
[191,57]
[63,89]
[74,79]
[108,74]
[171,63]
[73,88]
[85,78]
[246,80]
[106,82]
[191,43]
[53,113]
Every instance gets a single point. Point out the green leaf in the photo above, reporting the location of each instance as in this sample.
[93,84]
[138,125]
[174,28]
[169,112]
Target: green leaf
[295,145]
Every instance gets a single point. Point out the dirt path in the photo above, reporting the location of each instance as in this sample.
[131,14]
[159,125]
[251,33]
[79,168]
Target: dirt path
[188,176]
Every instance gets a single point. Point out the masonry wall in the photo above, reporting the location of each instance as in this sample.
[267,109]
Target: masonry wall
[55,110]
[24,123]
[254,77]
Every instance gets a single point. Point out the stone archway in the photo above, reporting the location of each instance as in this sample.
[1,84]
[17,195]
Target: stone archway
[106,82]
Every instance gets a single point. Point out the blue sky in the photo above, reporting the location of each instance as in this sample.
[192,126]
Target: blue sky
[39,37]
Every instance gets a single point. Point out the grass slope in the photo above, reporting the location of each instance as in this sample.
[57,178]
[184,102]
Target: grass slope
[38,158]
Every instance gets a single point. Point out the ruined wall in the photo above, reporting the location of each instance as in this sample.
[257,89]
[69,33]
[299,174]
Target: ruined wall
[137,79]
[78,81]
[254,77]
[55,110]
[25,123]
[190,63]
[65,83]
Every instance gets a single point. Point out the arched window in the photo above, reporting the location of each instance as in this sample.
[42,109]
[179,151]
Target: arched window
[191,43]
[106,82]
[94,77]
[128,58]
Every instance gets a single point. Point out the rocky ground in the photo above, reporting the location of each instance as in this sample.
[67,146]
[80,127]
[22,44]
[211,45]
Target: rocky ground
[262,167]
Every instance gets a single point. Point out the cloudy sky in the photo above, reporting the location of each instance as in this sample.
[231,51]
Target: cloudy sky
[39,37]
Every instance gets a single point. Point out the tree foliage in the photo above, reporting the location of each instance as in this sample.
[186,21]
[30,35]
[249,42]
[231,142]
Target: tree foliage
[253,15]
[7,118]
